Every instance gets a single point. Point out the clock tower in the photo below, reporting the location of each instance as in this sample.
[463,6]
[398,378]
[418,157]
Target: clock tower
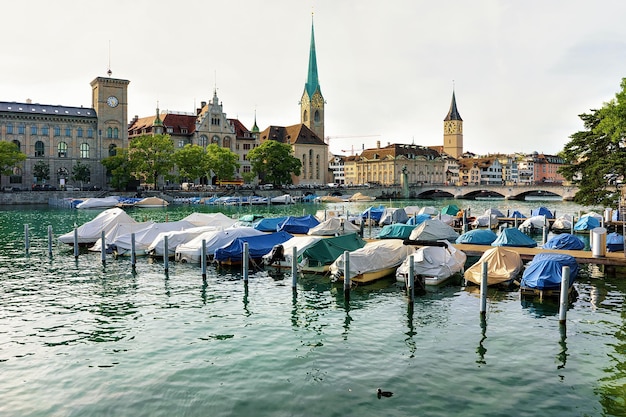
[312,102]
[453,131]
[109,98]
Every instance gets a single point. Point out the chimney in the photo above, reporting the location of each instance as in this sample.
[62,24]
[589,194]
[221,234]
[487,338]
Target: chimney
[377,144]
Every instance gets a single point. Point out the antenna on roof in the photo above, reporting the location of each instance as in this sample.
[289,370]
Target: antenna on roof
[109,72]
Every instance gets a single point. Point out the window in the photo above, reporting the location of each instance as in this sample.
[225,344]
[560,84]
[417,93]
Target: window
[203,141]
[45,130]
[68,131]
[116,133]
[90,133]
[62,173]
[112,150]
[317,116]
[84,150]
[305,116]
[215,121]
[33,130]
[246,146]
[246,168]
[79,132]
[57,131]
[10,129]
[62,150]
[39,149]
[109,132]
[216,140]
[21,129]
[18,144]
[16,176]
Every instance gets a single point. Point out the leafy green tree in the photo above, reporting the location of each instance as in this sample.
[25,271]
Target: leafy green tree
[248,177]
[81,173]
[41,171]
[596,157]
[192,162]
[119,167]
[10,157]
[222,161]
[274,162]
[151,157]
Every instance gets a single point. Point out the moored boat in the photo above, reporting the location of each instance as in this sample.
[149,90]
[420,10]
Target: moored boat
[317,258]
[503,266]
[435,264]
[91,231]
[544,274]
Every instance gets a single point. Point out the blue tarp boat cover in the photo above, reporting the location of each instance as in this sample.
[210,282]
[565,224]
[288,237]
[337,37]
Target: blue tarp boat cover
[298,225]
[514,237]
[542,211]
[586,223]
[546,269]
[418,219]
[396,231]
[269,224]
[374,213]
[565,241]
[257,246]
[477,237]
[615,242]
[518,215]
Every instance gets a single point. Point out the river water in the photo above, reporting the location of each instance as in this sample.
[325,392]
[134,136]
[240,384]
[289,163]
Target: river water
[79,338]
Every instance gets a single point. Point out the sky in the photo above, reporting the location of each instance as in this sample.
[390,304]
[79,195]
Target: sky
[522,70]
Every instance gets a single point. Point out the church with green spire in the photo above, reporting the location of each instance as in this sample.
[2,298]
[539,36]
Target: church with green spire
[312,101]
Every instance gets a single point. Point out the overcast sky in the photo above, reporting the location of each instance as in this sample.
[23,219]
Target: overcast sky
[522,70]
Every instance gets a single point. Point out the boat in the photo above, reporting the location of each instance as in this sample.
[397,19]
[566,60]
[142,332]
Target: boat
[119,229]
[396,231]
[393,215]
[372,214]
[258,246]
[477,237]
[503,267]
[451,209]
[122,245]
[210,219]
[282,199]
[318,257]
[281,255]
[269,224]
[614,242]
[99,202]
[533,224]
[191,251]
[511,236]
[434,264]
[418,219]
[91,231]
[151,202]
[587,222]
[485,220]
[544,273]
[542,211]
[360,197]
[373,261]
[562,224]
[565,241]
[433,229]
[430,210]
[298,225]
[334,226]
[175,238]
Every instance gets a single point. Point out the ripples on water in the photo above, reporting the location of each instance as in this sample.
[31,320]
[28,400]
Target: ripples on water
[81,339]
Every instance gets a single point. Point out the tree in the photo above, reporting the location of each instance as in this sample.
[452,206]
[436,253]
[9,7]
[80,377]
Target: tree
[274,162]
[81,173]
[596,157]
[41,171]
[10,157]
[151,157]
[222,161]
[119,167]
[192,162]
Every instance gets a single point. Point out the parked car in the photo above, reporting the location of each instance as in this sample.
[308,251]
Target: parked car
[44,187]
[10,189]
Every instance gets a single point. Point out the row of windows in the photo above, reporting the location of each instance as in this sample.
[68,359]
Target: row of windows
[45,131]
[61,149]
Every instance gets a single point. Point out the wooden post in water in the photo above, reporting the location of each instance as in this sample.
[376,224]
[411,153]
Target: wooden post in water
[369,221]
[564,294]
[245,263]
[103,252]
[26,239]
[483,289]
[544,232]
[411,287]
[465,228]
[166,258]
[133,254]
[346,275]
[75,243]
[203,260]
[49,240]
[294,268]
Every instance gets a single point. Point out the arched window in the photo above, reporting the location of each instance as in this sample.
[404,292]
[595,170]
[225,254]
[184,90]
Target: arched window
[311,164]
[16,176]
[116,133]
[109,132]
[39,149]
[18,144]
[203,141]
[303,165]
[227,142]
[216,140]
[90,133]
[317,116]
[57,131]
[68,131]
[84,150]
[10,129]
[21,129]
[317,167]
[305,116]
[79,132]
[45,130]
[33,130]
[62,150]
[112,150]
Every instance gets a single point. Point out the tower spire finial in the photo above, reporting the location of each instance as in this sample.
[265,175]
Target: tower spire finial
[109,72]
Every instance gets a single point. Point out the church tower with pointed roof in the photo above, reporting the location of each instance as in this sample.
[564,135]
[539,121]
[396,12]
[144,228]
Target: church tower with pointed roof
[453,131]
[312,102]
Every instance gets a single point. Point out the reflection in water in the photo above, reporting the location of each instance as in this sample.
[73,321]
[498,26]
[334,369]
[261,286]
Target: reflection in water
[562,356]
[481,350]
[410,342]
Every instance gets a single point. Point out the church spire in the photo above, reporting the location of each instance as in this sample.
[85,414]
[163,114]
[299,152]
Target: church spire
[453,114]
[312,82]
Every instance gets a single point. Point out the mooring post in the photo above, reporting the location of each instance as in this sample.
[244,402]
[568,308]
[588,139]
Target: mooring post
[294,268]
[26,239]
[465,221]
[133,254]
[325,215]
[166,258]
[369,221]
[411,288]
[564,294]
[103,252]
[346,275]
[483,289]
[245,263]
[75,243]
[50,240]
[203,259]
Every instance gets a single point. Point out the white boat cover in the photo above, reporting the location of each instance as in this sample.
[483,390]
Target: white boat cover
[283,199]
[175,238]
[434,229]
[120,229]
[564,222]
[503,265]
[436,262]
[430,210]
[91,231]
[486,220]
[151,202]
[301,243]
[446,218]
[534,222]
[412,210]
[493,212]
[191,251]
[372,257]
[323,215]
[145,237]
[334,226]
[210,219]
[393,215]
[97,202]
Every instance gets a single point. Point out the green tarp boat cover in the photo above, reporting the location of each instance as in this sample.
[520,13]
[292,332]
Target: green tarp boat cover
[327,250]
